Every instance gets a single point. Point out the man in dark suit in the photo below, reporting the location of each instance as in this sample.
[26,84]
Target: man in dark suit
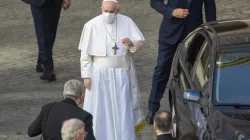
[163,125]
[180,17]
[46,14]
[49,121]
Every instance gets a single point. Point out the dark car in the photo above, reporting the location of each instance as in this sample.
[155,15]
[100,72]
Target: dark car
[209,86]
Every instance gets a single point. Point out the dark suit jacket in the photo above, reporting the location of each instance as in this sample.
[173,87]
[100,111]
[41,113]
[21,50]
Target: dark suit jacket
[37,3]
[172,29]
[59,112]
[165,137]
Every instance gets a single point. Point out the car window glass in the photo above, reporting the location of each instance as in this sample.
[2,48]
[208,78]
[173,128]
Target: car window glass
[185,45]
[201,70]
[188,41]
[193,50]
[232,78]
[183,79]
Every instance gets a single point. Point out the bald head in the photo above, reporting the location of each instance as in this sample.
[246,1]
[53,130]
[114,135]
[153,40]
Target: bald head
[163,121]
[73,129]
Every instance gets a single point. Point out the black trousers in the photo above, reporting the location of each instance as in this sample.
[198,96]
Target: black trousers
[46,20]
[162,70]
[161,75]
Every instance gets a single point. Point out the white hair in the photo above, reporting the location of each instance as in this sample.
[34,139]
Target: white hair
[71,128]
[73,88]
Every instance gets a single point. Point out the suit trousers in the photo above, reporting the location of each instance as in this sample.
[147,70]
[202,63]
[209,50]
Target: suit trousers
[46,18]
[161,75]
[162,71]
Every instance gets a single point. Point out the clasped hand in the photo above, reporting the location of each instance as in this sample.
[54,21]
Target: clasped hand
[180,13]
[127,42]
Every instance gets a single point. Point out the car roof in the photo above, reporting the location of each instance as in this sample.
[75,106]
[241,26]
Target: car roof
[231,32]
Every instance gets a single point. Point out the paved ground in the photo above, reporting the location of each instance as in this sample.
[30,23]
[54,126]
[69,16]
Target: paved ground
[22,94]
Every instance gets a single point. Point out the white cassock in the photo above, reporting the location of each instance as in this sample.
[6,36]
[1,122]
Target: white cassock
[114,99]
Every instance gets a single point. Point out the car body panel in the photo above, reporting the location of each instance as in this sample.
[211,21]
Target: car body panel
[205,118]
[230,123]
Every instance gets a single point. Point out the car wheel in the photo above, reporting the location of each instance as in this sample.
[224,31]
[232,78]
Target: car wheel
[174,117]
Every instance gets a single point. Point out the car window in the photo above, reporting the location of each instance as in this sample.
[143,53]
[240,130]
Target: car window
[186,43]
[202,65]
[193,49]
[184,81]
[183,78]
[232,78]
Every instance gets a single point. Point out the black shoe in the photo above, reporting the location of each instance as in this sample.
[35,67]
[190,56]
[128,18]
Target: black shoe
[40,68]
[48,76]
[149,118]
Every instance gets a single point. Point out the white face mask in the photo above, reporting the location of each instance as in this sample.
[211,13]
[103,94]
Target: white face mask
[109,17]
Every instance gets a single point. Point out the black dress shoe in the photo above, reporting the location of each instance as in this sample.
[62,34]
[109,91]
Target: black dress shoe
[149,118]
[48,76]
[40,68]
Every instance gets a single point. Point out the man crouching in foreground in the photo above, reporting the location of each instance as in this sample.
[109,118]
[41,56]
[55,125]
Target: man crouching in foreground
[49,121]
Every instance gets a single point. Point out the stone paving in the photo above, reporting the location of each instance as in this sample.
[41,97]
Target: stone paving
[22,93]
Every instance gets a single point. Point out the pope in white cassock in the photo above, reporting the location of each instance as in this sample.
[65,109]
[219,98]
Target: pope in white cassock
[112,94]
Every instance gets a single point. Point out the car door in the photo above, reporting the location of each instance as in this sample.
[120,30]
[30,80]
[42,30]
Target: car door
[188,54]
[200,79]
